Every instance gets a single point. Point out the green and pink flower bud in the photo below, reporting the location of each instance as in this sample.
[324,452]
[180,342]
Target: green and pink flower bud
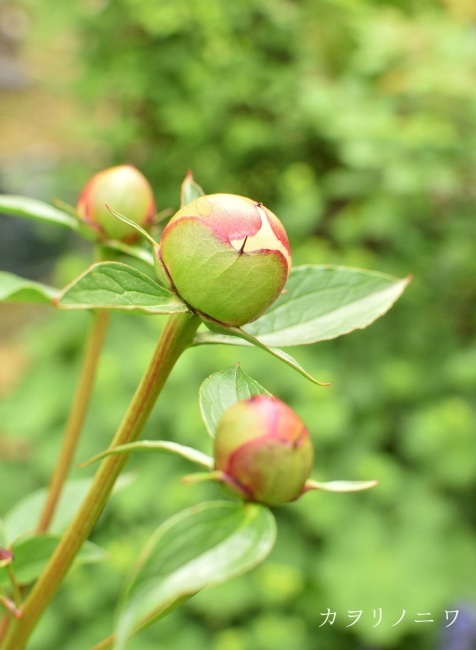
[263,451]
[127,191]
[226,256]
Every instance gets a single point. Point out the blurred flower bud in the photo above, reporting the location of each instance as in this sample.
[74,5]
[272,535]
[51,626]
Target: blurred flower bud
[227,256]
[263,451]
[126,190]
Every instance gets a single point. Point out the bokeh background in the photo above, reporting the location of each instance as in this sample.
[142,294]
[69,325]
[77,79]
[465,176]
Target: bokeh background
[355,122]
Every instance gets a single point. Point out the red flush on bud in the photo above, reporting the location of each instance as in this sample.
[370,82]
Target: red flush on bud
[126,190]
[263,451]
[227,256]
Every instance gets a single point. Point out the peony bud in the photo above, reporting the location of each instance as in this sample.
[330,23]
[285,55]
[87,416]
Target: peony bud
[263,451]
[227,256]
[126,190]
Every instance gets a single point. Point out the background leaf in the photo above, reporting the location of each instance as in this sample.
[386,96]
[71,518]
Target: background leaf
[113,285]
[21,206]
[24,516]
[13,288]
[202,546]
[321,303]
[32,553]
[223,389]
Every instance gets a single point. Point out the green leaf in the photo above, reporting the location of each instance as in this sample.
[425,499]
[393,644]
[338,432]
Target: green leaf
[21,206]
[199,547]
[190,190]
[24,516]
[223,389]
[227,334]
[31,554]
[321,303]
[113,285]
[13,288]
[163,446]
[138,228]
[339,486]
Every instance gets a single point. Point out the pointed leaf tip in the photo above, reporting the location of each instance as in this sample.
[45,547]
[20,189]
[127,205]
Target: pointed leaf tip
[190,189]
[336,300]
[339,486]
[21,206]
[14,288]
[226,334]
[134,225]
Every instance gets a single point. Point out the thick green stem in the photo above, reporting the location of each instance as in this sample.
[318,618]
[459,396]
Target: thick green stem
[176,336]
[4,623]
[77,414]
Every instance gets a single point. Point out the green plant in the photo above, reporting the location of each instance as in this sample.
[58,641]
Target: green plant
[216,540]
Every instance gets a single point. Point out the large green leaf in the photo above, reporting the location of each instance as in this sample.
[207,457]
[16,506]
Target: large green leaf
[13,288]
[113,285]
[197,548]
[321,303]
[223,389]
[31,554]
[21,206]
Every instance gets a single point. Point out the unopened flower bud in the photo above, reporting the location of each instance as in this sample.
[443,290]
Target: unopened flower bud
[227,256]
[126,190]
[263,451]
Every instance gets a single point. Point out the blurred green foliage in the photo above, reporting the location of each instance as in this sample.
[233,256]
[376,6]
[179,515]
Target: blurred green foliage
[355,122]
